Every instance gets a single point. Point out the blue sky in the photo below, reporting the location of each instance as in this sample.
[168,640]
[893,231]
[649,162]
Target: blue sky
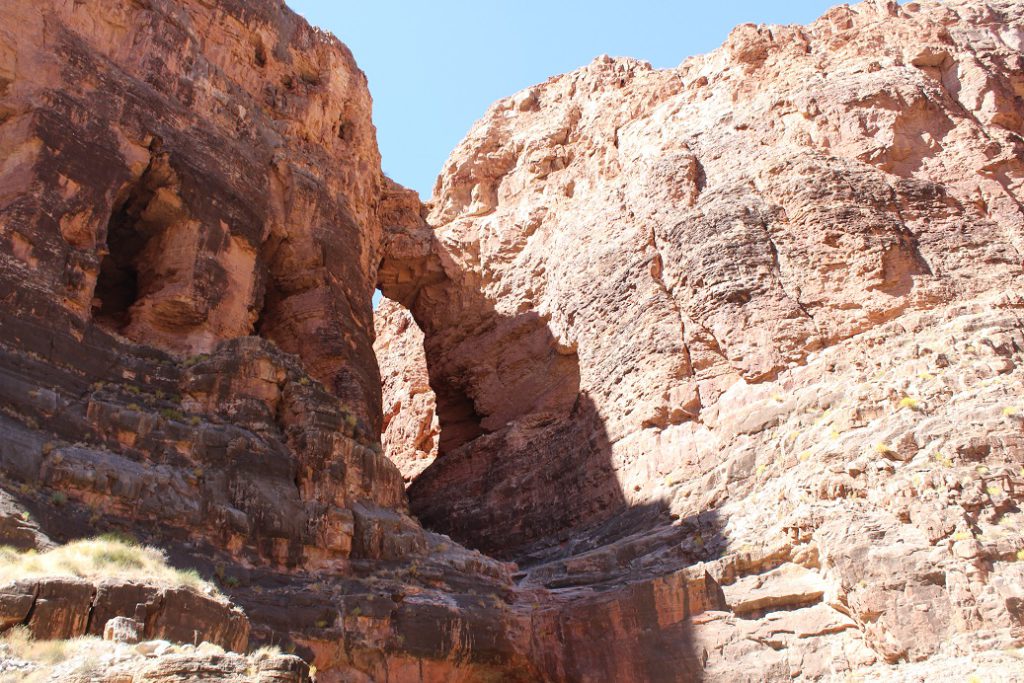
[435,67]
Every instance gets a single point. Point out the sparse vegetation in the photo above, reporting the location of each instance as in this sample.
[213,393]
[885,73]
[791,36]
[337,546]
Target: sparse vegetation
[75,659]
[266,652]
[47,654]
[89,658]
[99,558]
[195,360]
[910,403]
[883,449]
[172,414]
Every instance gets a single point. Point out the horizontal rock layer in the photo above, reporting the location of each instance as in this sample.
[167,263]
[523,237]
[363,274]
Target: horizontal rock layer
[759,313]
[726,357]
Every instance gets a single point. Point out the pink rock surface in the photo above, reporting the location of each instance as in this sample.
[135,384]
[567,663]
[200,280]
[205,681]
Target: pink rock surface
[771,295]
[410,428]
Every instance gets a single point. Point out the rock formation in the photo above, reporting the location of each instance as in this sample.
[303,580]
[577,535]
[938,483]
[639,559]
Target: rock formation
[705,373]
[410,429]
[190,196]
[758,315]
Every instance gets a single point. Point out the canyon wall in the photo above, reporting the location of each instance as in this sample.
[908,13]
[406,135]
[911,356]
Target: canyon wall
[191,207]
[759,314]
[704,373]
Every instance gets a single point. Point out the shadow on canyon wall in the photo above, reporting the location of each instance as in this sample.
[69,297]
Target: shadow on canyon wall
[525,472]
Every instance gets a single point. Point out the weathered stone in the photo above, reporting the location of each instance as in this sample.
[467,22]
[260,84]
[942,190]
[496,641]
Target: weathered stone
[726,357]
[123,630]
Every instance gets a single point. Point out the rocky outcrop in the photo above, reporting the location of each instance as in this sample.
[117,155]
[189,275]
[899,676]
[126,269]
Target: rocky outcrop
[599,244]
[723,362]
[410,429]
[64,608]
[89,661]
[756,316]
[191,205]
[181,173]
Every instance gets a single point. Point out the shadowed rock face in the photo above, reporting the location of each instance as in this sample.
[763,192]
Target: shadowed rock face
[780,284]
[189,237]
[726,358]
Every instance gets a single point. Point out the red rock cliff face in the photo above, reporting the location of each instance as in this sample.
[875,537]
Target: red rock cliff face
[648,241]
[726,357]
[181,185]
[771,295]
[190,196]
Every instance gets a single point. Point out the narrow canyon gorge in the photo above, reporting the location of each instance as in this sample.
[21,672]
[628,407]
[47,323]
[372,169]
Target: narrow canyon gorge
[709,373]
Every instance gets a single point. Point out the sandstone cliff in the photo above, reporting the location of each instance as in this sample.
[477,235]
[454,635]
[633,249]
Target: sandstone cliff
[711,373]
[190,227]
[759,315]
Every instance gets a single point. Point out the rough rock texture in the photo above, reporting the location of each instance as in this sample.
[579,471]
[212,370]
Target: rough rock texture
[756,317]
[410,429]
[191,204]
[181,173]
[59,609]
[154,662]
[727,358]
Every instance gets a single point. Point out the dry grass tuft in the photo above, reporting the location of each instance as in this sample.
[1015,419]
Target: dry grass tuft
[105,557]
[47,655]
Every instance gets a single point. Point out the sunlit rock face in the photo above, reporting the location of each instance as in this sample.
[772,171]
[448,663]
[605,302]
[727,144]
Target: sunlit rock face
[191,206]
[772,295]
[410,429]
[706,373]
[181,173]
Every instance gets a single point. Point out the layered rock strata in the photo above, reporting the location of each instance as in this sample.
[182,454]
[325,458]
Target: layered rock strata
[756,316]
[726,358]
[191,204]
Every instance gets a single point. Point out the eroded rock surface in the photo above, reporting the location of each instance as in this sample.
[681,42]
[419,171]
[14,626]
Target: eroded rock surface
[191,204]
[181,173]
[757,316]
[410,429]
[726,358]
